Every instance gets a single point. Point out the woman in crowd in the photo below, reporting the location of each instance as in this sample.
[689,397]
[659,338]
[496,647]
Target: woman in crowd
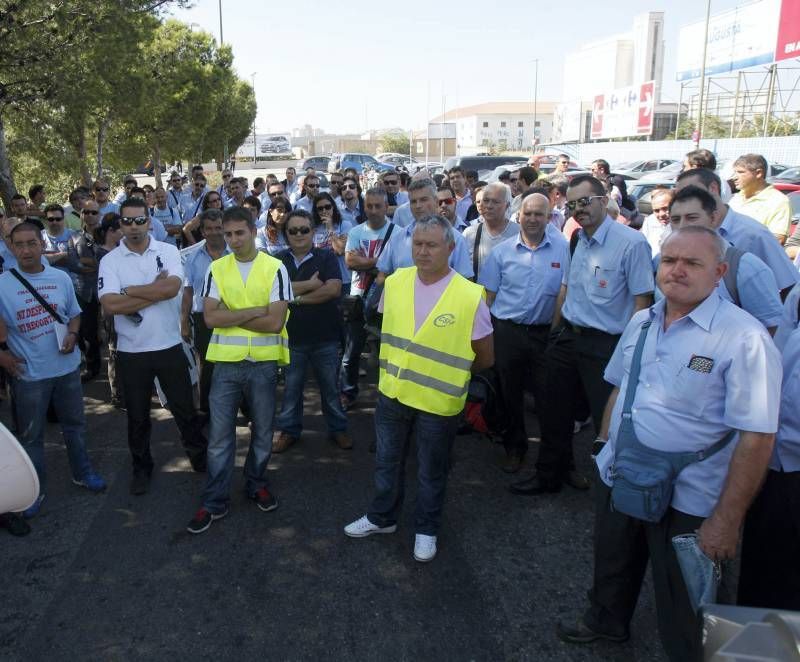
[191,230]
[330,231]
[270,238]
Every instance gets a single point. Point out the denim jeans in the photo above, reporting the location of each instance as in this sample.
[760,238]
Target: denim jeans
[255,381]
[324,358]
[354,345]
[434,437]
[31,399]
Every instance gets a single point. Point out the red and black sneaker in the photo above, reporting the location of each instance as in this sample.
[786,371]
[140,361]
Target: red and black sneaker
[264,500]
[202,520]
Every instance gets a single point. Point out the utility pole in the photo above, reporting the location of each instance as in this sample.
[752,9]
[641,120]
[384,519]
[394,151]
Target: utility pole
[220,23]
[255,158]
[535,104]
[703,77]
[770,98]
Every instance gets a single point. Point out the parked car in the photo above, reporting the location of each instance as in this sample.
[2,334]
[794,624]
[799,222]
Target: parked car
[357,161]
[400,161]
[482,163]
[640,192]
[635,169]
[787,181]
[146,168]
[276,145]
[670,171]
[319,163]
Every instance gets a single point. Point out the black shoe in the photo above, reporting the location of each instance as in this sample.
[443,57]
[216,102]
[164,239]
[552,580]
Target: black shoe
[199,464]
[265,500]
[202,520]
[580,633]
[577,481]
[534,486]
[15,524]
[140,483]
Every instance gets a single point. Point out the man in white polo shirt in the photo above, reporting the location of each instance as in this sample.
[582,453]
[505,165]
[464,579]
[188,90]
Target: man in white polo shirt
[140,284]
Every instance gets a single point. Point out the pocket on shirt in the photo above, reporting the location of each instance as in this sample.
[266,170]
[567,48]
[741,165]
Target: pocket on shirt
[552,282]
[690,391]
[603,284]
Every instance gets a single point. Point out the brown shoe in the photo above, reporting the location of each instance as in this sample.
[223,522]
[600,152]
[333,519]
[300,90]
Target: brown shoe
[342,440]
[281,441]
[512,463]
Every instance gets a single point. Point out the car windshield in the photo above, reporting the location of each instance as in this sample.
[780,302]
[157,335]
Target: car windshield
[672,168]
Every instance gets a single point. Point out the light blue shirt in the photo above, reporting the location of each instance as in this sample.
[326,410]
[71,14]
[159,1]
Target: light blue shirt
[462,207]
[680,408]
[749,235]
[526,280]
[304,203]
[108,208]
[401,198]
[174,199]
[786,455]
[190,206]
[322,239]
[403,216]
[789,318]
[605,274]
[165,217]
[758,292]
[31,330]
[348,215]
[397,253]
[158,231]
[264,244]
[194,273]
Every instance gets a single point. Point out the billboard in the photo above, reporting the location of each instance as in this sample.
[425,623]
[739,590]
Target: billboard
[267,145]
[626,111]
[788,44]
[435,131]
[567,122]
[739,38]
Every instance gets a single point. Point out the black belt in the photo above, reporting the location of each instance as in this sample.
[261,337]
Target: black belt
[530,327]
[587,331]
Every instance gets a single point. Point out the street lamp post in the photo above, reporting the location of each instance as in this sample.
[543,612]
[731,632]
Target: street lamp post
[703,78]
[535,104]
[253,77]
[220,23]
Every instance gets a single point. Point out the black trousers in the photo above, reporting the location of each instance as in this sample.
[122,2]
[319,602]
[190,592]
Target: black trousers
[518,353]
[89,333]
[137,370]
[770,573]
[575,361]
[202,336]
[622,548]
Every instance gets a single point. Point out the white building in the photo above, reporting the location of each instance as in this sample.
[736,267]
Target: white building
[617,61]
[499,125]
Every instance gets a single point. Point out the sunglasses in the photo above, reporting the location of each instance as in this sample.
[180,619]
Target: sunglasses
[199,184]
[130,220]
[324,207]
[312,185]
[54,219]
[393,182]
[90,212]
[446,201]
[226,176]
[102,190]
[275,194]
[303,230]
[583,202]
[336,182]
[352,187]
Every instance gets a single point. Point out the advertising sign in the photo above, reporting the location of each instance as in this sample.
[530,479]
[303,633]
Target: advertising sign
[788,45]
[567,122]
[626,111]
[738,38]
[267,145]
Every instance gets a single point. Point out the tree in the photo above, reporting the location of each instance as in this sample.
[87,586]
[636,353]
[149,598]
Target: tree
[394,142]
[713,127]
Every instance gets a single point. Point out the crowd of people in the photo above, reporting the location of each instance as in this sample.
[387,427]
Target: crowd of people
[673,335]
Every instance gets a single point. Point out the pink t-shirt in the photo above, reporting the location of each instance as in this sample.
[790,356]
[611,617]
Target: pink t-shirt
[426,296]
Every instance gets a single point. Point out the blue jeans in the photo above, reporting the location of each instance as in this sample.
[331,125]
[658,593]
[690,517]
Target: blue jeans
[255,381]
[354,345]
[324,358]
[394,423]
[31,400]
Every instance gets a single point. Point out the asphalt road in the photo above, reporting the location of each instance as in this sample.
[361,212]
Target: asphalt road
[116,577]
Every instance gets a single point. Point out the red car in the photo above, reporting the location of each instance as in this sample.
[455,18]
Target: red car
[787,181]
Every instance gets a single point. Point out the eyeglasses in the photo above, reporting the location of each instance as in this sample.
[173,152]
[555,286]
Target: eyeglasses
[90,212]
[54,219]
[324,207]
[583,202]
[130,220]
[303,230]
[350,186]
[102,190]
[446,201]
[336,182]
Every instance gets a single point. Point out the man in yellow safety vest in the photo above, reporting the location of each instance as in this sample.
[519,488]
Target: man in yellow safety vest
[436,332]
[246,298]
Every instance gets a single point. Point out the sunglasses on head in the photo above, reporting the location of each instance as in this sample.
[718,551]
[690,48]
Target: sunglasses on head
[304,230]
[130,220]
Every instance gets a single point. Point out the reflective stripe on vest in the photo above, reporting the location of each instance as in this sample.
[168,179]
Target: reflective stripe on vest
[243,341]
[428,368]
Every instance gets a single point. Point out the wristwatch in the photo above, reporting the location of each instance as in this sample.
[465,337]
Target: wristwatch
[124,291]
[297,298]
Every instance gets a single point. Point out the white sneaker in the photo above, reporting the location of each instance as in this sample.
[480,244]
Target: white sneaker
[424,548]
[362,528]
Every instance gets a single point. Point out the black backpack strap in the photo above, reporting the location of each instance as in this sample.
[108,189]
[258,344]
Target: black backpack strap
[475,252]
[37,296]
[573,242]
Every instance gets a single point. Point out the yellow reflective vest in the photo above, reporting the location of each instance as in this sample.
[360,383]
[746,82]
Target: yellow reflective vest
[428,369]
[234,343]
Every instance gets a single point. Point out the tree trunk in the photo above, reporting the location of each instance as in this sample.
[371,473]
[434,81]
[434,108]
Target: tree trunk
[157,164]
[86,176]
[101,139]
[7,186]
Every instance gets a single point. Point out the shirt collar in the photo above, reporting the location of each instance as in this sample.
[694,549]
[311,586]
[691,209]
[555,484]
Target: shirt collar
[702,315]
[545,240]
[600,234]
[123,246]
[725,226]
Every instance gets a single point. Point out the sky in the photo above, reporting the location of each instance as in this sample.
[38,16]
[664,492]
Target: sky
[348,66]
